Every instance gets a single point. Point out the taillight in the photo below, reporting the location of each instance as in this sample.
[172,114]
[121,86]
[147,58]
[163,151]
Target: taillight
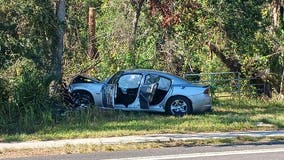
[206,91]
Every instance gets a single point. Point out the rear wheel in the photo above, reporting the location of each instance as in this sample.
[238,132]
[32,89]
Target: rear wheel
[82,99]
[178,106]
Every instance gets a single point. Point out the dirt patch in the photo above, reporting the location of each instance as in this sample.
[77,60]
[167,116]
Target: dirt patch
[29,152]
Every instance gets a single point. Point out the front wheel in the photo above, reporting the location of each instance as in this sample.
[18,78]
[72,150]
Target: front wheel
[82,100]
[178,106]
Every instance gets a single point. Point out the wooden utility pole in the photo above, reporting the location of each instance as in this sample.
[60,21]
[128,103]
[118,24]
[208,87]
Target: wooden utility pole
[92,49]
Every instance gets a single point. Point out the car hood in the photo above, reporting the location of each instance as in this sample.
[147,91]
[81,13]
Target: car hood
[84,79]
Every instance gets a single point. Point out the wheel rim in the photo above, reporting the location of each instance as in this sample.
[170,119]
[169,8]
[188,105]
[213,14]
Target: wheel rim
[82,101]
[179,107]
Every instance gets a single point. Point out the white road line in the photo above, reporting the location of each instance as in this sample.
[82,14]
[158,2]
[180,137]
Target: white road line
[207,154]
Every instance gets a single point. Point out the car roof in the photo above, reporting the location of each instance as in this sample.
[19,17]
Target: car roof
[176,79]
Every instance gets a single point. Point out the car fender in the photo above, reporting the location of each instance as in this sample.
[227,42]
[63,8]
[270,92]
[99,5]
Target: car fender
[194,94]
[95,89]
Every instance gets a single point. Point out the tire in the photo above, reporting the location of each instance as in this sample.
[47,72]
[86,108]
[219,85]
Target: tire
[82,99]
[178,106]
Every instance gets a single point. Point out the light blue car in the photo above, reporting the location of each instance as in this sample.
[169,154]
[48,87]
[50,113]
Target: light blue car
[142,90]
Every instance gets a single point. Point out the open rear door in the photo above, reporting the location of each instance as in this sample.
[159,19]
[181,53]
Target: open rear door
[146,95]
[147,90]
[109,93]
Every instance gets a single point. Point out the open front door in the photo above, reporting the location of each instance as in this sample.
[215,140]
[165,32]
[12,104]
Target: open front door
[109,93]
[147,91]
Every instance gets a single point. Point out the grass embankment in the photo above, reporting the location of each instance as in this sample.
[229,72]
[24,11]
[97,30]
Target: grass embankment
[228,115]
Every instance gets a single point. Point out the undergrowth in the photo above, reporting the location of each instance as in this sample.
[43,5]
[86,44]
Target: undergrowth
[228,115]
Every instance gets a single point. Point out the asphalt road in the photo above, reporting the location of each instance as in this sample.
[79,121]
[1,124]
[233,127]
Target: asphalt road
[235,152]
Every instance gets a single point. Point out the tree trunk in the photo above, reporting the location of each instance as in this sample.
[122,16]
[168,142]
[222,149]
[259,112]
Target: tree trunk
[138,8]
[276,4]
[92,49]
[282,83]
[137,4]
[232,64]
[58,53]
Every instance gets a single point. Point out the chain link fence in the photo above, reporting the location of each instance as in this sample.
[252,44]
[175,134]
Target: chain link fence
[229,84]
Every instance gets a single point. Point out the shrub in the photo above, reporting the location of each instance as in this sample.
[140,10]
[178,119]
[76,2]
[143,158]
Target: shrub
[29,107]
[4,91]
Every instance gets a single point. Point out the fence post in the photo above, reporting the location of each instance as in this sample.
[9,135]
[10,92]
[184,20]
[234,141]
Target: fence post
[211,85]
[239,86]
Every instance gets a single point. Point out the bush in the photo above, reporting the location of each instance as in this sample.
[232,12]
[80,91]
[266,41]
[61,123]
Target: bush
[29,107]
[4,102]
[4,91]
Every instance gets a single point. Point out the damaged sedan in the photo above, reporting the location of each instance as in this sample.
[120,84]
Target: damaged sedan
[142,90]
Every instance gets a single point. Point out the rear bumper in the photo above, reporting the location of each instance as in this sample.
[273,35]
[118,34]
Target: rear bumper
[202,103]
[207,108]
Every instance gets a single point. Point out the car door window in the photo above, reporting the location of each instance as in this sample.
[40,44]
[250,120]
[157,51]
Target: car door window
[129,81]
[164,84]
[151,79]
[127,90]
[157,88]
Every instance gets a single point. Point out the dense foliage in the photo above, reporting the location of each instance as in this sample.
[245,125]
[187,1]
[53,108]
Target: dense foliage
[178,36]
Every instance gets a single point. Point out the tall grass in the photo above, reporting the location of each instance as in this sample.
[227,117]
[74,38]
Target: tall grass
[228,115]
[27,107]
